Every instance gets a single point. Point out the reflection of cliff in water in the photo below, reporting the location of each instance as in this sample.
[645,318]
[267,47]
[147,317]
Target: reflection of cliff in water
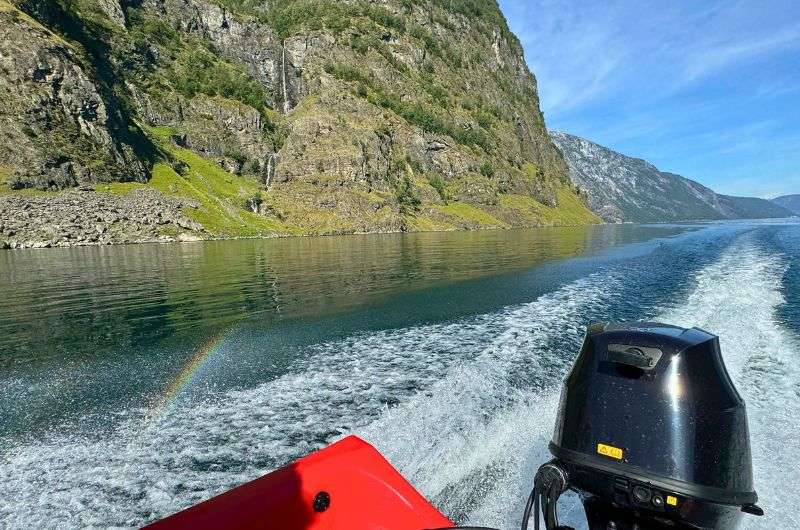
[135,294]
[99,328]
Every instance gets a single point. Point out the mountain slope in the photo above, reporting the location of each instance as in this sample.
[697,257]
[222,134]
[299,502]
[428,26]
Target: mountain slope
[790,202]
[345,116]
[751,208]
[624,189]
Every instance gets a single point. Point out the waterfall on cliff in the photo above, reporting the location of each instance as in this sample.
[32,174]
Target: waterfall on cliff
[270,170]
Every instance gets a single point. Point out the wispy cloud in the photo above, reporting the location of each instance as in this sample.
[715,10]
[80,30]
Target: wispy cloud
[714,57]
[586,52]
[575,60]
[710,90]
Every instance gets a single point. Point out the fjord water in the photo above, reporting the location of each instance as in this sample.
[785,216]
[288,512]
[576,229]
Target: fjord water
[139,380]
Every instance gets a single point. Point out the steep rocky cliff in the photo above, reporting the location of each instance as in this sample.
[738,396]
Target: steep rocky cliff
[624,189]
[58,129]
[317,116]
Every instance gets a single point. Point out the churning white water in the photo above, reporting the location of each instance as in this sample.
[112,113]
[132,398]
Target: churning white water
[465,410]
[478,464]
[737,298]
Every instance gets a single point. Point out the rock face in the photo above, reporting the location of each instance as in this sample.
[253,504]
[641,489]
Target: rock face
[358,87]
[352,115]
[624,189]
[56,127]
[790,202]
[224,130]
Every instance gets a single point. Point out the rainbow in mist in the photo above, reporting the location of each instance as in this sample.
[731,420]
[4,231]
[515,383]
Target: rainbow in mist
[202,356]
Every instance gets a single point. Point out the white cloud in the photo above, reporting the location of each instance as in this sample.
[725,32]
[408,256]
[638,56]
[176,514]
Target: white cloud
[574,57]
[706,89]
[714,57]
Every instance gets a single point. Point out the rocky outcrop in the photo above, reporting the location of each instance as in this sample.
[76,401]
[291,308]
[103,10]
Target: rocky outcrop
[113,10]
[227,131]
[53,119]
[624,189]
[368,96]
[84,217]
[239,38]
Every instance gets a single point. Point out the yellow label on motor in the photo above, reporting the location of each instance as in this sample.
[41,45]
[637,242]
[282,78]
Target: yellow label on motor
[672,500]
[610,451]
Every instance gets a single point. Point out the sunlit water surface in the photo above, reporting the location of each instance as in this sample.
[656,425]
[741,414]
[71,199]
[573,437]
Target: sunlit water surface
[140,380]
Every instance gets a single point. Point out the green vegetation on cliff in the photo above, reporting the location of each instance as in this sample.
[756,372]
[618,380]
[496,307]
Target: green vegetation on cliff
[289,116]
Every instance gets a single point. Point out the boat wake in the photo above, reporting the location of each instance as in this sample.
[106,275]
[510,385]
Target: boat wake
[738,298]
[464,409]
[475,454]
[154,465]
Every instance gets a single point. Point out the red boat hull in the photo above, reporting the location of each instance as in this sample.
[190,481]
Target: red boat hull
[346,486]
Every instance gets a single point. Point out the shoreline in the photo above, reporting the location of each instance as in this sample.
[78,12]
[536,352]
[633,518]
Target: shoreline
[191,232]
[84,216]
[195,238]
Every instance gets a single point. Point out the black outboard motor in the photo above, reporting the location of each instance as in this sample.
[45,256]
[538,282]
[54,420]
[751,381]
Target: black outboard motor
[651,433]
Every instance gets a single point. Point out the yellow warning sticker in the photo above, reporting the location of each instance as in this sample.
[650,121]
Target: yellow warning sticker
[610,451]
[672,500]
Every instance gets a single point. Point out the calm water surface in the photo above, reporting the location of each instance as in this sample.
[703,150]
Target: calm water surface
[138,380]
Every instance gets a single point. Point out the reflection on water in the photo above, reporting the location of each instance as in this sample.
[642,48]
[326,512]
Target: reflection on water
[58,302]
[93,330]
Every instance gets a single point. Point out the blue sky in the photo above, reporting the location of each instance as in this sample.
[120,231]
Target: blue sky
[706,89]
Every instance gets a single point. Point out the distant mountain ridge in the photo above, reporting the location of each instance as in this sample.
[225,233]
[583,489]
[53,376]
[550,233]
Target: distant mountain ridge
[620,188]
[790,202]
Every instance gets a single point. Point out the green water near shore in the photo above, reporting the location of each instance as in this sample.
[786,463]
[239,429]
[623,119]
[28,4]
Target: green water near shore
[72,321]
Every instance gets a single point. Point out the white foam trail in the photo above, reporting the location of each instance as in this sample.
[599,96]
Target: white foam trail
[473,441]
[145,470]
[471,451]
[737,298]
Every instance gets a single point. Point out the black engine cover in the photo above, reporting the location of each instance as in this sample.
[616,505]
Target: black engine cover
[653,404]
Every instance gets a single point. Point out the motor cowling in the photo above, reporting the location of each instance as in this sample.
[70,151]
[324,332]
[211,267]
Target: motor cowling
[652,432]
